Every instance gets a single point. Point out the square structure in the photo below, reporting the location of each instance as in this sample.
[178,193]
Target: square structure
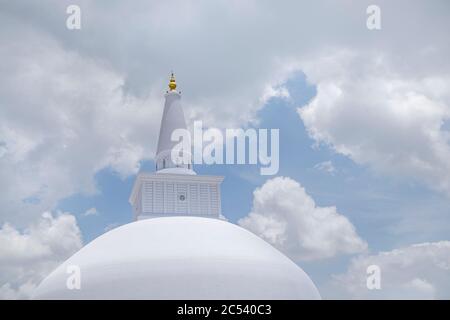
[162,195]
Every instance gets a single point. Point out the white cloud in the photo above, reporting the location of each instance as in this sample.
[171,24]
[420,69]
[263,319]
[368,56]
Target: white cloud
[381,117]
[326,166]
[91,212]
[420,271]
[287,217]
[27,256]
[274,92]
[75,102]
[63,118]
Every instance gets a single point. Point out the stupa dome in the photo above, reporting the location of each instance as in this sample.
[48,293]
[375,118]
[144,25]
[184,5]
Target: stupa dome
[179,258]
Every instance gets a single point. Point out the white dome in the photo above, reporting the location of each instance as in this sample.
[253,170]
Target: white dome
[180,258]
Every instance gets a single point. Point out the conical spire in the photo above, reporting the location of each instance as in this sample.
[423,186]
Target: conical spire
[172,119]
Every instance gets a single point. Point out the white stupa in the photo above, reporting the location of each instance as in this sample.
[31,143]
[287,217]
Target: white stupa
[178,247]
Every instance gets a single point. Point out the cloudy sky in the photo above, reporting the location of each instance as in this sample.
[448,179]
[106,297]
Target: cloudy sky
[364,119]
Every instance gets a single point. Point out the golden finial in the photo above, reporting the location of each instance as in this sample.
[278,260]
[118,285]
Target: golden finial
[172,83]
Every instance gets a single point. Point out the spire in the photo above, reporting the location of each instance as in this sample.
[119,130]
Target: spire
[172,119]
[172,83]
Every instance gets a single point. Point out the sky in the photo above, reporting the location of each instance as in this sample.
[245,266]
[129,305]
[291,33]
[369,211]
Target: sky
[363,115]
